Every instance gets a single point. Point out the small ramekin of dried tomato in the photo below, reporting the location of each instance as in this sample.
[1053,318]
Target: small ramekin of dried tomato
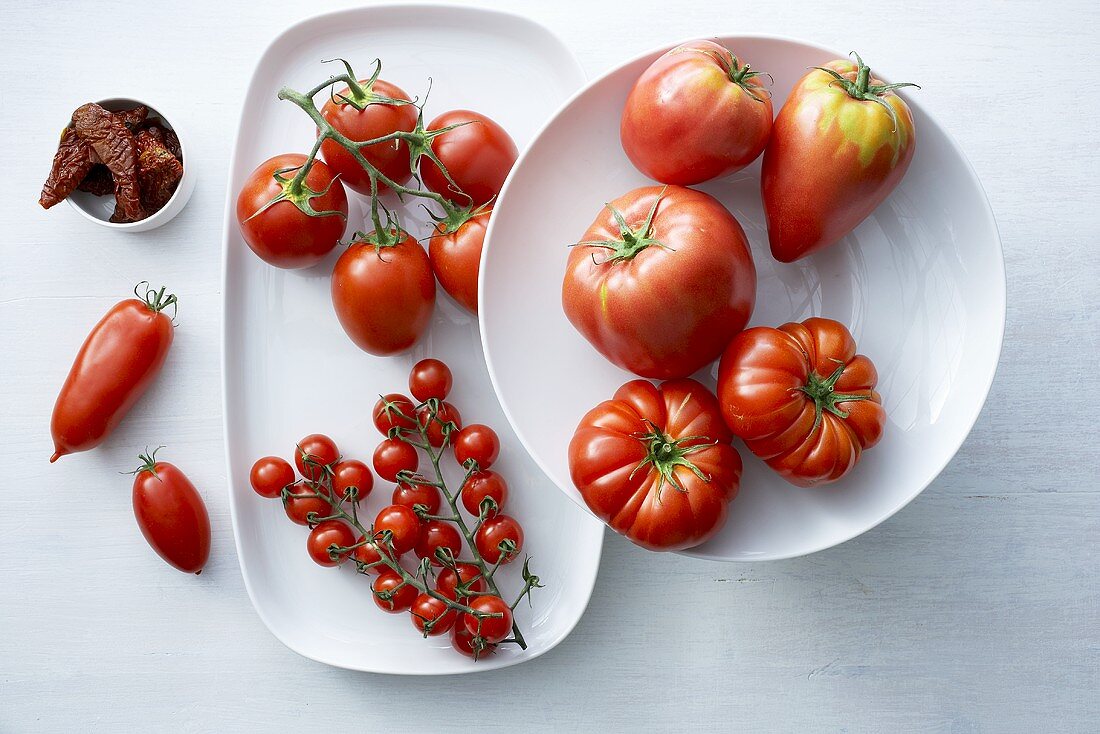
[121,164]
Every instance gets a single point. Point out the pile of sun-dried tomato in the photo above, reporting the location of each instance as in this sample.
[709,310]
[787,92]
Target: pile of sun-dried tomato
[122,153]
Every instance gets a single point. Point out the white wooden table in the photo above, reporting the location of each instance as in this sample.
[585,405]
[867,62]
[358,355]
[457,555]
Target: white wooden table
[977,608]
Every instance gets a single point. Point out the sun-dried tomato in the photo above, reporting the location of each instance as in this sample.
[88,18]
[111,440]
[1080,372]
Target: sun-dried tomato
[132,118]
[98,181]
[159,172]
[166,136]
[71,163]
[116,148]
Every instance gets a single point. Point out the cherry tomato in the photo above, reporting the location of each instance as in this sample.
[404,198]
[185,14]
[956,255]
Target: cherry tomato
[394,455]
[269,475]
[430,378]
[351,474]
[403,523]
[465,643]
[476,442]
[302,502]
[492,629]
[394,411]
[467,573]
[454,249]
[326,535]
[411,494]
[480,485]
[436,534]
[117,362]
[495,531]
[282,234]
[478,156]
[432,616]
[313,453]
[374,120]
[369,554]
[402,597]
[447,413]
[384,294]
[171,515]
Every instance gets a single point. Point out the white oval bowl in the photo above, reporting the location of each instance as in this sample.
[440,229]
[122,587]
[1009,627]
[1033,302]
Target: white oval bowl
[921,284]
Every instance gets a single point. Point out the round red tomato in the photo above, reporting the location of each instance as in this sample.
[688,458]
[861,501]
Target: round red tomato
[394,455]
[496,625]
[370,555]
[384,293]
[269,475]
[656,464]
[412,494]
[303,502]
[394,411]
[477,443]
[326,538]
[430,378]
[446,416]
[314,455]
[498,531]
[455,252]
[478,156]
[467,644]
[370,111]
[171,515]
[351,479]
[403,525]
[432,616]
[465,573]
[801,399]
[282,234]
[391,593]
[662,295]
[436,534]
[482,484]
[696,113]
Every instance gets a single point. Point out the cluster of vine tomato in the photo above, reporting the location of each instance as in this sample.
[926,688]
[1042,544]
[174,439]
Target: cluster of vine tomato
[442,590]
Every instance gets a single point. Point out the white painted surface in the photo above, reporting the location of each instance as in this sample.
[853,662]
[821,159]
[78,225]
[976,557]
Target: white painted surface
[976,609]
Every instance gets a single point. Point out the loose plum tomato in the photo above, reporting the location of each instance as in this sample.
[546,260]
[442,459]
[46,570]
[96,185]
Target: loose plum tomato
[411,494]
[269,475]
[400,595]
[369,554]
[478,155]
[371,110]
[432,616]
[302,502]
[476,442]
[394,455]
[480,485]
[430,378]
[436,534]
[394,411]
[327,535]
[313,453]
[464,642]
[282,234]
[447,413]
[402,523]
[467,573]
[351,474]
[171,514]
[492,629]
[454,249]
[495,531]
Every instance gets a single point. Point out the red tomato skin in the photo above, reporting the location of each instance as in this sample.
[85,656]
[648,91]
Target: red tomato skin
[298,508]
[492,629]
[282,235]
[384,299]
[605,449]
[820,178]
[410,495]
[447,413]
[478,442]
[402,600]
[172,517]
[456,258]
[482,484]
[351,473]
[116,364]
[664,313]
[270,475]
[759,381]
[404,525]
[427,608]
[400,414]
[478,156]
[430,378]
[438,534]
[686,121]
[447,581]
[321,451]
[462,640]
[330,532]
[392,456]
[494,531]
[373,121]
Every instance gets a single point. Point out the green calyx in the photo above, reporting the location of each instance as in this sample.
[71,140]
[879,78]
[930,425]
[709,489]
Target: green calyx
[420,140]
[823,392]
[735,72]
[148,461]
[297,192]
[861,89]
[631,241]
[455,216]
[156,300]
[664,454]
[360,94]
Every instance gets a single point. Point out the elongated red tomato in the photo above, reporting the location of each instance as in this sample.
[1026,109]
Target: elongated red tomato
[384,292]
[455,251]
[656,464]
[698,112]
[840,145]
[118,361]
[282,233]
[662,293]
[171,514]
[478,155]
[802,399]
[373,109]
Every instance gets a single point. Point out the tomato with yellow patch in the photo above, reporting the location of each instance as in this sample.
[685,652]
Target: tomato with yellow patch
[840,145]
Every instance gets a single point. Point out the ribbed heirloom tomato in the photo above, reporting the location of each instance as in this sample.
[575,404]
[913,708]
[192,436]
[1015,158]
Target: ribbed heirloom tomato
[802,399]
[656,464]
[661,281]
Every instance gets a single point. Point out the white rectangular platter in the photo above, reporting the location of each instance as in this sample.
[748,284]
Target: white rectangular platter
[289,370]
